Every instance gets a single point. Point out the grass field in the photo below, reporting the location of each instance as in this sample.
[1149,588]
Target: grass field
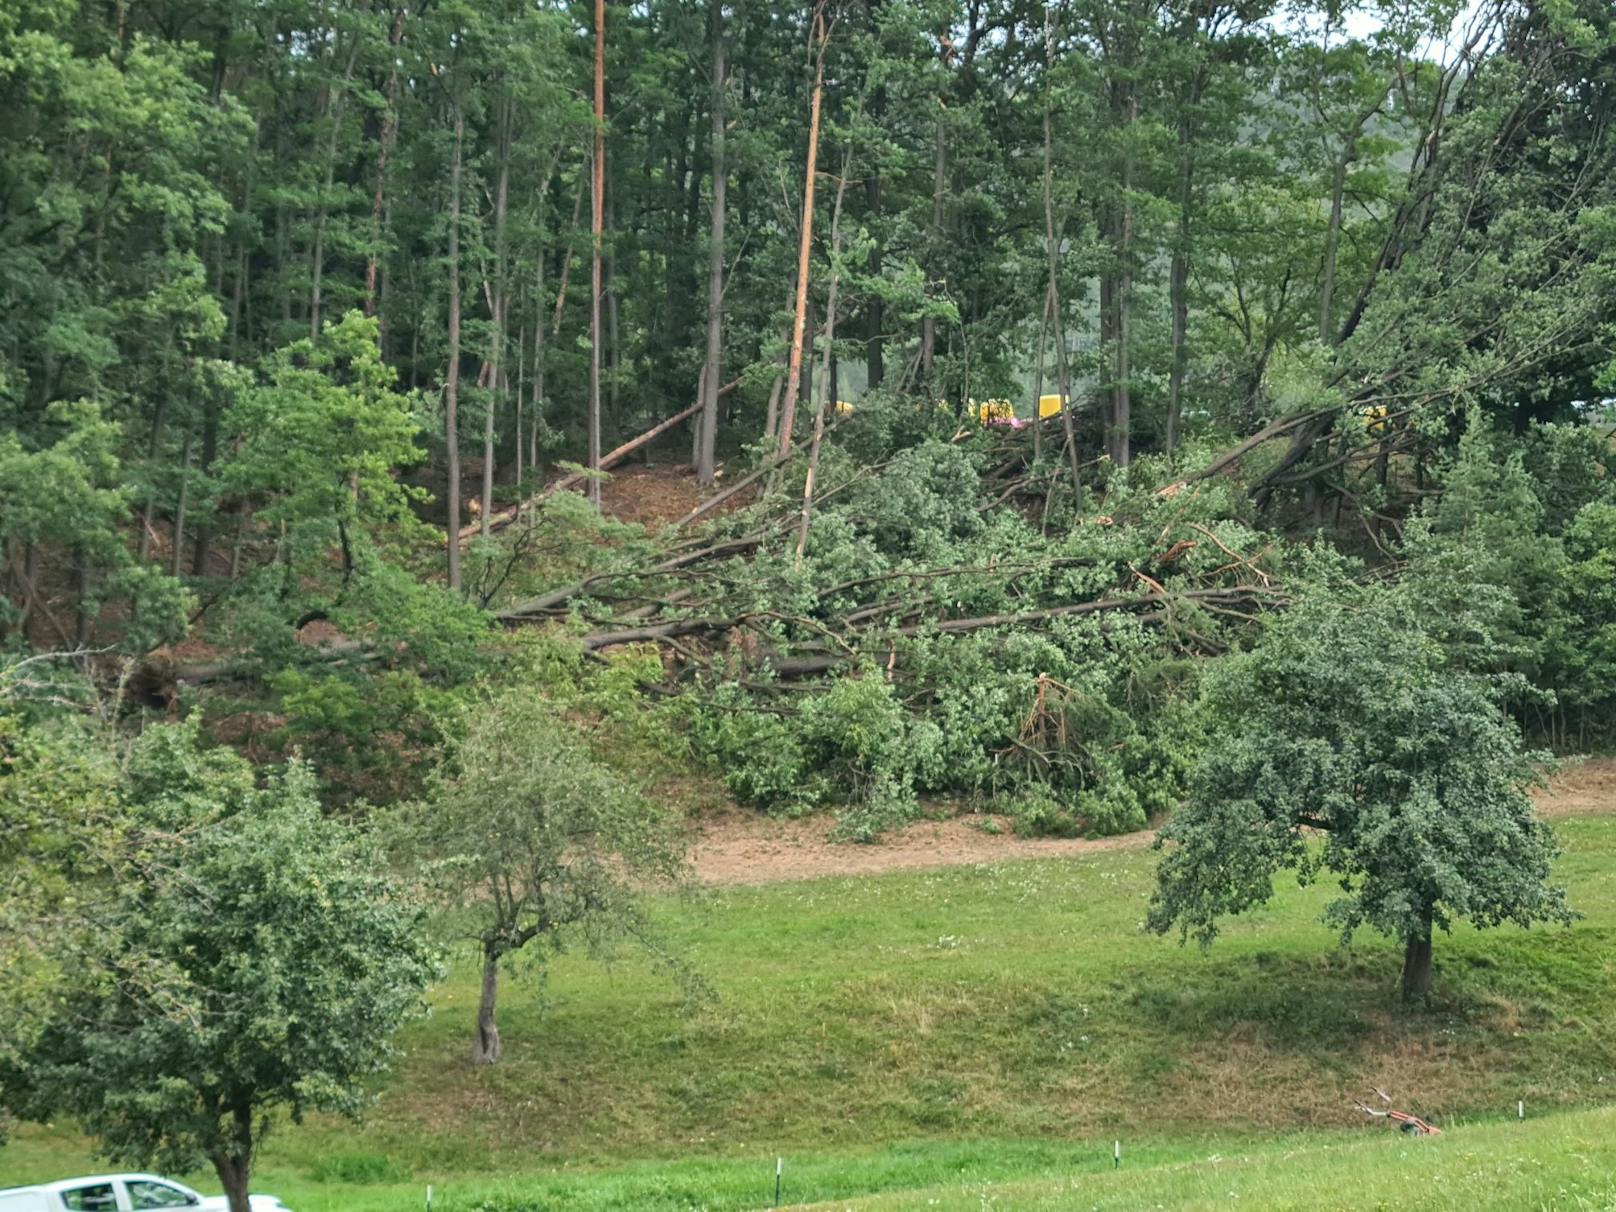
[925,1034]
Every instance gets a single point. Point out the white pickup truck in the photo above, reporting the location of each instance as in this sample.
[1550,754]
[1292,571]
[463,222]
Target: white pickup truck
[120,1193]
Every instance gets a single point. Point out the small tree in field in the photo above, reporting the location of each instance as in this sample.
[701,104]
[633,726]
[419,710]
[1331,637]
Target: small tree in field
[1349,723]
[537,840]
[250,961]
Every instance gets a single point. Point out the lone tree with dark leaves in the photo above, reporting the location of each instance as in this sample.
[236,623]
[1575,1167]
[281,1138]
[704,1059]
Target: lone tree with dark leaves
[1347,742]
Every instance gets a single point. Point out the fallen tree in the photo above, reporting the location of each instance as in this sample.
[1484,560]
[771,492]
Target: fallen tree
[504,517]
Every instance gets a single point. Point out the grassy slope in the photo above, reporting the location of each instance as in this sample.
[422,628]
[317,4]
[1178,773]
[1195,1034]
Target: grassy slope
[1015,1003]
[1562,1161]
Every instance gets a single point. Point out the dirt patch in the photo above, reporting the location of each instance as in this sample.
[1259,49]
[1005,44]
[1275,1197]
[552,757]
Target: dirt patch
[1584,786]
[660,494]
[740,848]
[749,849]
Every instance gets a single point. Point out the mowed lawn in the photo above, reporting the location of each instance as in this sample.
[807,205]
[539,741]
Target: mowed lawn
[915,1032]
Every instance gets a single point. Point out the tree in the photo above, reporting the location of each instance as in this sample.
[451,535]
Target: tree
[1350,722]
[250,960]
[537,840]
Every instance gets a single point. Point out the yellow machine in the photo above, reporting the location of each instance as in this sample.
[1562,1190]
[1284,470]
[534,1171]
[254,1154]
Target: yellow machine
[1048,406]
[995,410]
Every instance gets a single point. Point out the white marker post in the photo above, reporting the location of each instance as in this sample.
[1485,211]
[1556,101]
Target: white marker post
[779,1168]
[1116,1155]
[429,1197]
[1520,1108]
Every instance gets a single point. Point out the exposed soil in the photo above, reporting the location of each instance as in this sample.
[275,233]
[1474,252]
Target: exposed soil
[738,848]
[751,849]
[662,492]
[1583,786]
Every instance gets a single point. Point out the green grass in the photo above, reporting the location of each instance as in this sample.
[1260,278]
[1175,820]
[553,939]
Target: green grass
[1010,1019]
[1562,1161]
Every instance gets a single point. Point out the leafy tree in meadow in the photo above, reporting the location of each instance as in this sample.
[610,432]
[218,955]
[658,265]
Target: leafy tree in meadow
[249,959]
[536,841]
[1348,744]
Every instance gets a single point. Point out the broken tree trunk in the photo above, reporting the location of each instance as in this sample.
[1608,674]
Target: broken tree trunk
[827,392]
[610,459]
[788,409]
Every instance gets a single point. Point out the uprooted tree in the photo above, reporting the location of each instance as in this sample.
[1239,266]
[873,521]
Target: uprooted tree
[1349,743]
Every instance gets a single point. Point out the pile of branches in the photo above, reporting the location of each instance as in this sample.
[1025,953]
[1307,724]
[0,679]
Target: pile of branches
[718,598]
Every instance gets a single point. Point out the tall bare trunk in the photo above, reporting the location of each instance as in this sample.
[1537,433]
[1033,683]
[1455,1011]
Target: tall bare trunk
[707,423]
[828,390]
[148,515]
[538,371]
[1332,243]
[451,385]
[1038,382]
[1122,401]
[874,339]
[1179,286]
[1052,253]
[566,256]
[384,147]
[788,408]
[928,325]
[597,226]
[333,113]
[177,548]
[496,345]
[519,396]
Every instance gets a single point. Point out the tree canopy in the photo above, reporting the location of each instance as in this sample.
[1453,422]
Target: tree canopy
[1347,742]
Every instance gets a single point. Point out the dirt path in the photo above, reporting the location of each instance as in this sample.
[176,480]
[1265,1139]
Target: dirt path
[743,848]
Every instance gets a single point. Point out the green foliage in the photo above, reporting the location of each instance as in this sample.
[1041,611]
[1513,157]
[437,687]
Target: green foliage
[535,842]
[58,782]
[249,958]
[1351,721]
[374,739]
[320,442]
[67,495]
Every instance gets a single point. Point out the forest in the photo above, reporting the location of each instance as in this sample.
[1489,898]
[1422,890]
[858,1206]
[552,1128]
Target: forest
[455,456]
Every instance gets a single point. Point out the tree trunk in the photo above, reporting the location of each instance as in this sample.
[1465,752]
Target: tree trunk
[928,326]
[384,147]
[177,547]
[234,1167]
[707,424]
[233,1177]
[566,258]
[597,226]
[148,516]
[1417,966]
[451,387]
[874,340]
[827,392]
[1332,241]
[1179,286]
[333,112]
[1038,384]
[485,1049]
[496,345]
[1052,252]
[1122,404]
[788,407]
